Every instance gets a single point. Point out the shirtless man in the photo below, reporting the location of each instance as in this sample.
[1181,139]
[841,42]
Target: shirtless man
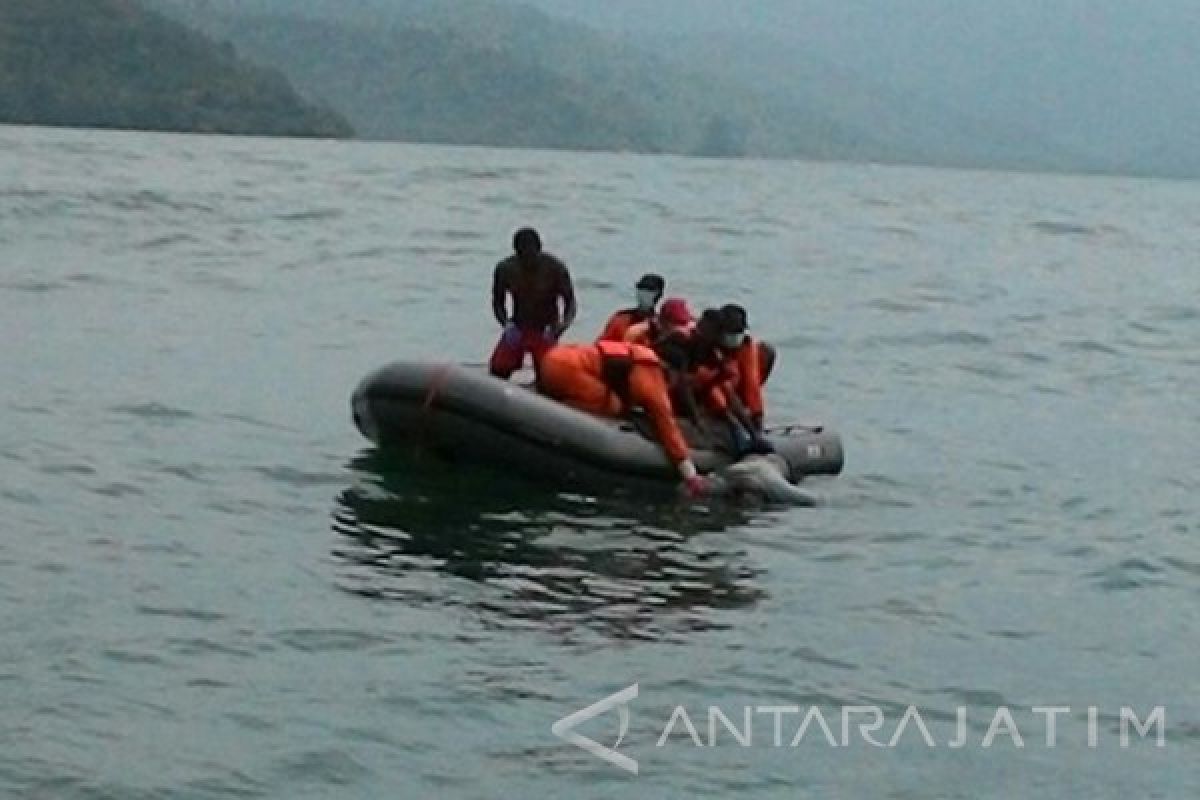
[537,281]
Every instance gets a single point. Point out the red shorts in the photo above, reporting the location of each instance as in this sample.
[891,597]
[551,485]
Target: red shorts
[508,356]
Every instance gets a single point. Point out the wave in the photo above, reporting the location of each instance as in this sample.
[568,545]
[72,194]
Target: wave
[1063,228]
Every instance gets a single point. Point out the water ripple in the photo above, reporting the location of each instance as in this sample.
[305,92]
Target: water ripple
[33,286]
[317,640]
[1090,347]
[1063,228]
[192,614]
[154,411]
[1129,574]
[300,478]
[958,338]
[311,215]
[329,767]
[552,564]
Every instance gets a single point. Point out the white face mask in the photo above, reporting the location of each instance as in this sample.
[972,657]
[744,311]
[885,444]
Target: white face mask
[732,341]
[646,299]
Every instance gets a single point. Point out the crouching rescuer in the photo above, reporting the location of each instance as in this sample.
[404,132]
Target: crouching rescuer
[610,379]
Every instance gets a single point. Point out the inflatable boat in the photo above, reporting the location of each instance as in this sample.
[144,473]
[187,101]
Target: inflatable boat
[463,413]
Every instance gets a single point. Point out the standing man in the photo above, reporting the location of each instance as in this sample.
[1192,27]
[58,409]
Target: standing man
[537,282]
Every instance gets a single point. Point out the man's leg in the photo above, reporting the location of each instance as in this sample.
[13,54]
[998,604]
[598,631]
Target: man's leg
[507,357]
[537,344]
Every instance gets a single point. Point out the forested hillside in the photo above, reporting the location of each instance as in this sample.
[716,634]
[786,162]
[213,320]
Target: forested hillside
[116,64]
[480,72]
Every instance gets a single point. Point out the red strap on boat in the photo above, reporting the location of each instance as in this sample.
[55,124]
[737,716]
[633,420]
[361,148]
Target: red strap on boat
[435,386]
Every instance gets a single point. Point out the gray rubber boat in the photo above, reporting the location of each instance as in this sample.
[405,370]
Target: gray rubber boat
[465,414]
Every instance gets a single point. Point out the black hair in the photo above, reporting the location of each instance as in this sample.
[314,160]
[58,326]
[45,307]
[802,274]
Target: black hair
[653,282]
[710,321]
[733,318]
[526,240]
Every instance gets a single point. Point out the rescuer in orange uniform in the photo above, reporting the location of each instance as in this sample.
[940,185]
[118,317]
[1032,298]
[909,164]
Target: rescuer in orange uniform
[753,361]
[715,379]
[648,291]
[609,379]
[673,317]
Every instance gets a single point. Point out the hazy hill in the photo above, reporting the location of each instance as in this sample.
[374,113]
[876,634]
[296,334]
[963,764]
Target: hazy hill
[114,64]
[1110,84]
[904,124]
[1074,85]
[418,84]
[481,72]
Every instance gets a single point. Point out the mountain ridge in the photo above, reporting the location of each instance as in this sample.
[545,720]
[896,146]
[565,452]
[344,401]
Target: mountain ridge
[119,64]
[537,70]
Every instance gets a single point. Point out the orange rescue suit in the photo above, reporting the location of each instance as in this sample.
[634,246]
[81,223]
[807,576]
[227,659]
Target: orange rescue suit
[739,373]
[749,380]
[642,333]
[619,323]
[582,376]
[713,382]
